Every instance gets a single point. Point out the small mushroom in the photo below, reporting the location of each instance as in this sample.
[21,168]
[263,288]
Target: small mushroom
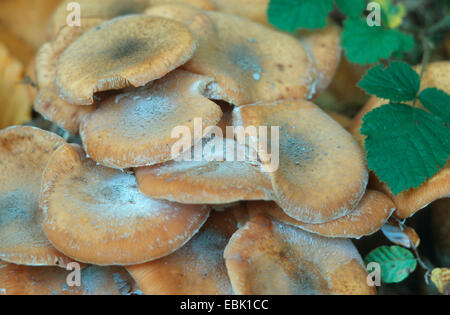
[367,218]
[135,129]
[212,180]
[436,75]
[23,280]
[196,268]
[269,257]
[24,154]
[97,215]
[250,62]
[48,102]
[322,173]
[103,9]
[126,51]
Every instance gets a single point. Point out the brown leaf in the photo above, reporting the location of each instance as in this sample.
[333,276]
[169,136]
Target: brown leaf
[441,279]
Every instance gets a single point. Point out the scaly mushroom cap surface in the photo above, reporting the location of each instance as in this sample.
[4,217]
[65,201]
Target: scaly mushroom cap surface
[197,268]
[367,218]
[24,154]
[255,10]
[322,174]
[98,215]
[126,51]
[250,62]
[48,102]
[103,9]
[23,280]
[268,257]
[135,129]
[436,75]
[213,179]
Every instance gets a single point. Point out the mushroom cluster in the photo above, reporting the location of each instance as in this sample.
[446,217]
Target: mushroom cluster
[122,203]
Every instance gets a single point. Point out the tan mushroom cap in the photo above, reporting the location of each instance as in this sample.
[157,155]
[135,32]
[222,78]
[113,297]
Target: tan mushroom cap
[325,48]
[104,9]
[135,129]
[436,75]
[322,174]
[23,280]
[48,102]
[213,179]
[255,10]
[199,4]
[196,268]
[98,215]
[268,257]
[126,51]
[250,62]
[24,154]
[367,218]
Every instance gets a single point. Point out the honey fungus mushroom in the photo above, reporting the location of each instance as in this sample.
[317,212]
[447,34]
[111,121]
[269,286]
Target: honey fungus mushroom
[48,102]
[197,268]
[268,257]
[373,211]
[436,75]
[25,280]
[321,174]
[24,154]
[213,179]
[249,61]
[126,51]
[97,215]
[135,129]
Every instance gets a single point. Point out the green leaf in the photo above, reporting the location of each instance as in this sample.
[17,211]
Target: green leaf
[396,263]
[398,82]
[437,102]
[393,13]
[366,45]
[405,145]
[351,8]
[290,15]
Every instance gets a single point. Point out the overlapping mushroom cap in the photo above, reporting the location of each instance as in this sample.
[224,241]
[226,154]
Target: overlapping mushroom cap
[126,51]
[216,178]
[97,214]
[48,102]
[23,280]
[436,75]
[321,174]
[24,154]
[136,128]
[269,257]
[197,268]
[251,62]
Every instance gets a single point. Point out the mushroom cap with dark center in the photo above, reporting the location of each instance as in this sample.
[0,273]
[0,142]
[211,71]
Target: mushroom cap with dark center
[98,215]
[126,51]
[24,154]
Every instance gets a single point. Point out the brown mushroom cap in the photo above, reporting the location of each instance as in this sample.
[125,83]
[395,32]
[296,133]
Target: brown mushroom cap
[437,75]
[23,280]
[368,217]
[24,154]
[196,268]
[322,174]
[104,9]
[135,129]
[208,181]
[249,61]
[268,257]
[255,10]
[48,103]
[126,51]
[98,215]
